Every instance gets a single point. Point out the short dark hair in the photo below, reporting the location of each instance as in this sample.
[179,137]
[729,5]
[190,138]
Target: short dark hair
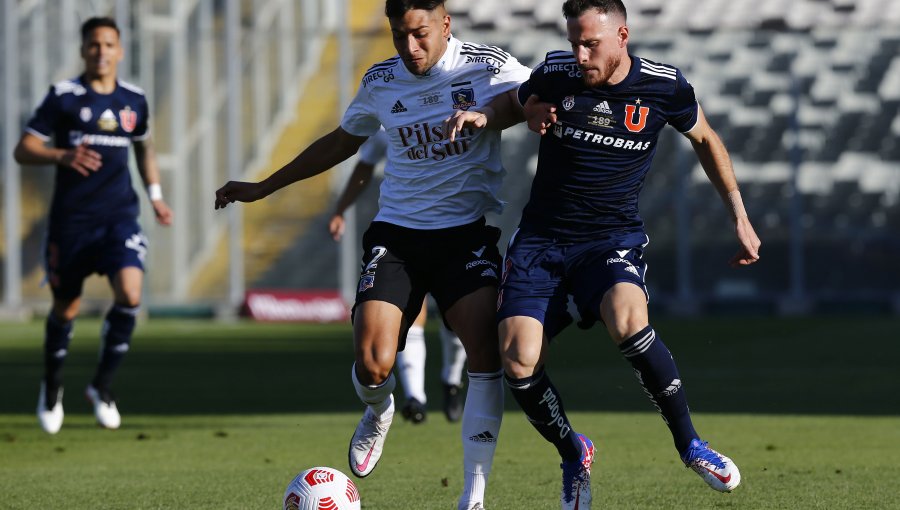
[96,22]
[397,8]
[575,8]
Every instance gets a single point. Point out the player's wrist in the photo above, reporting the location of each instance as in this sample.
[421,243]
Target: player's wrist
[154,192]
[737,205]
[488,113]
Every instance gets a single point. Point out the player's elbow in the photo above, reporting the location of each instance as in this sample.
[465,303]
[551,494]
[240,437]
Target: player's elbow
[20,154]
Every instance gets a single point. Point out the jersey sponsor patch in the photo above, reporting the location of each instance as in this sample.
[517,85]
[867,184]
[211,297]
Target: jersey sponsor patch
[107,121]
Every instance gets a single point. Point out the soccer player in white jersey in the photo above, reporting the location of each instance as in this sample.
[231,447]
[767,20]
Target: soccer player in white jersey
[429,235]
[410,363]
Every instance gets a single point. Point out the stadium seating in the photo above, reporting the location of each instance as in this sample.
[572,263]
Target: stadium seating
[805,91]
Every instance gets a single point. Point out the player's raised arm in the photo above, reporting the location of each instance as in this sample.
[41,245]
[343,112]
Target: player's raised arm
[323,154]
[716,163]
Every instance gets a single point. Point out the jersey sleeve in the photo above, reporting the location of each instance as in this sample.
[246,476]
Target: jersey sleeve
[374,149]
[361,117]
[512,74]
[533,85]
[142,130]
[43,123]
[683,110]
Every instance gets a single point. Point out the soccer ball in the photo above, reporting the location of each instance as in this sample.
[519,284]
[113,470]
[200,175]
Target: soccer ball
[321,488]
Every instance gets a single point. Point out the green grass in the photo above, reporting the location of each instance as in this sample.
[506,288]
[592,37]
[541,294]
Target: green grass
[222,416]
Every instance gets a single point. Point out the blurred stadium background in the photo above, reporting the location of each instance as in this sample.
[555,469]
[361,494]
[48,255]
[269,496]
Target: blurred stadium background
[806,95]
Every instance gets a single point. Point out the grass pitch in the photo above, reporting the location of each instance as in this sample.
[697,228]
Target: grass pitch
[224,415]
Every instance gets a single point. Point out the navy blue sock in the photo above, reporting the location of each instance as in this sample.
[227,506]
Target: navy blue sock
[655,369]
[116,335]
[543,407]
[57,335]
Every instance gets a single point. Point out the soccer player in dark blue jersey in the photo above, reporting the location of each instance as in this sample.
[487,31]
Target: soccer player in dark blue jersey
[581,233]
[93,120]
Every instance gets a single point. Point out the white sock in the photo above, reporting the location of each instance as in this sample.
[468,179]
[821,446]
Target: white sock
[411,364]
[454,357]
[378,396]
[481,419]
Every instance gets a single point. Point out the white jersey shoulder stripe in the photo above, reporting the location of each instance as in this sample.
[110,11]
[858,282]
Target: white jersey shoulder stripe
[69,87]
[661,75]
[658,67]
[132,87]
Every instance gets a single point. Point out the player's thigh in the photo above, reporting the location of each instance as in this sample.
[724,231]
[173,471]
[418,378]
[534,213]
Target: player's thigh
[533,285]
[387,275]
[522,345]
[377,326]
[594,270]
[422,318]
[70,256]
[471,317]
[624,310]
[126,285]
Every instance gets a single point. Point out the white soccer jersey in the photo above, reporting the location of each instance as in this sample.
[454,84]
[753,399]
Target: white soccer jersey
[430,182]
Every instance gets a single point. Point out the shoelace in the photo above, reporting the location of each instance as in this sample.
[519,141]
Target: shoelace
[704,453]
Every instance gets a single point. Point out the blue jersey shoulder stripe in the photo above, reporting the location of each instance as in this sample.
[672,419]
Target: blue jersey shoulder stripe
[558,55]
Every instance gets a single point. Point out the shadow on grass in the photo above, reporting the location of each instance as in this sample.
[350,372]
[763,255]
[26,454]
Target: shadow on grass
[734,365]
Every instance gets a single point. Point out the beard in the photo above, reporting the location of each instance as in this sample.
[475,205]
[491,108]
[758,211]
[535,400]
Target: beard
[595,77]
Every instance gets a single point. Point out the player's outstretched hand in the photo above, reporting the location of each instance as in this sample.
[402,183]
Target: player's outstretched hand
[750,243]
[455,124]
[237,191]
[539,115]
[82,159]
[336,227]
[162,211]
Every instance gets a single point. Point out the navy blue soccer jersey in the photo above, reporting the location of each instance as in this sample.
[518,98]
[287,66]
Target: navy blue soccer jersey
[593,161]
[71,114]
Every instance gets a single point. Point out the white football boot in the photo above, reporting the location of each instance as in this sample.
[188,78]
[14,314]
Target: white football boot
[104,410]
[717,470]
[50,419]
[368,440]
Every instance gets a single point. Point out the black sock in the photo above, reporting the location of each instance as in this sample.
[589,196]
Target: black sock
[655,369]
[116,335]
[543,407]
[57,335]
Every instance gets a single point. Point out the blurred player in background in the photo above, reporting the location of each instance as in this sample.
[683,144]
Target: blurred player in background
[581,233]
[410,362]
[430,234]
[93,120]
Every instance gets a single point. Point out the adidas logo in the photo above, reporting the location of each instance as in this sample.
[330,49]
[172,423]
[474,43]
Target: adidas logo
[603,108]
[484,437]
[398,107]
[489,273]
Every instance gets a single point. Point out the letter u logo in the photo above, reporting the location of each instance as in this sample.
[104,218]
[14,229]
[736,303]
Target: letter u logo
[636,127]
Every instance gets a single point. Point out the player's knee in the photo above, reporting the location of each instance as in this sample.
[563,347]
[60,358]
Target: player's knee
[129,298]
[66,310]
[371,372]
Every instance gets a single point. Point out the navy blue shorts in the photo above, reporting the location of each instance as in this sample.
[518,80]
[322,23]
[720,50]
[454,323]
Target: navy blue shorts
[540,273]
[74,253]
